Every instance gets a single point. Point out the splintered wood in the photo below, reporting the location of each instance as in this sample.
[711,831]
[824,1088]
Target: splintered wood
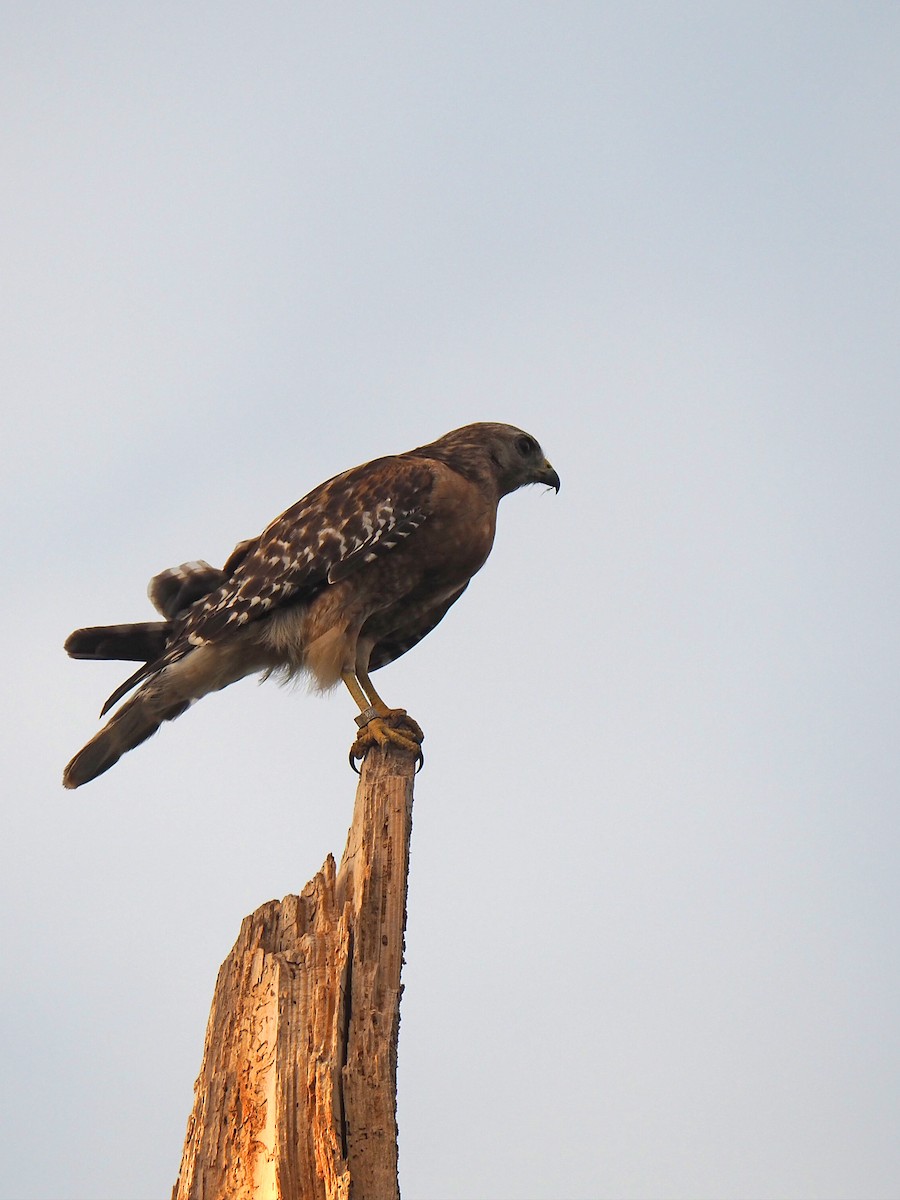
[296,1097]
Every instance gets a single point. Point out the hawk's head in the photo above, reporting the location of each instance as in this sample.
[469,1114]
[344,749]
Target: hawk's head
[509,455]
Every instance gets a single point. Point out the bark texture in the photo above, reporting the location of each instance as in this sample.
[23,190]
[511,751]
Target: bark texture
[296,1097]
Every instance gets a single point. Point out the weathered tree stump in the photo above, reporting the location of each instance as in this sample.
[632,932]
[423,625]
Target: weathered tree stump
[296,1097]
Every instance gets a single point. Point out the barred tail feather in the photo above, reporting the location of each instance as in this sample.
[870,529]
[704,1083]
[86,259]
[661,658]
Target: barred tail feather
[167,690]
[172,592]
[135,721]
[143,641]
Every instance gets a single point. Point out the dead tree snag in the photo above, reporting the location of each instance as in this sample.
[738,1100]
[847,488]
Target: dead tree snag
[296,1097]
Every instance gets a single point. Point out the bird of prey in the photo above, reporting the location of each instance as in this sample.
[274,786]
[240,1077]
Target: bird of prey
[343,582]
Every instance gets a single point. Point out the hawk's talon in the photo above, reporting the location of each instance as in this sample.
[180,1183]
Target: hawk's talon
[393,727]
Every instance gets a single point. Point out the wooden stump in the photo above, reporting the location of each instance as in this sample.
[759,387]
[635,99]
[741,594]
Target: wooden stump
[296,1097]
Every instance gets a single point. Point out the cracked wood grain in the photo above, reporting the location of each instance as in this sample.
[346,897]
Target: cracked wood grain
[296,1097]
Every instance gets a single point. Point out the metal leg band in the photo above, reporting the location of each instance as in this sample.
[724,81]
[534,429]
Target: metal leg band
[367,715]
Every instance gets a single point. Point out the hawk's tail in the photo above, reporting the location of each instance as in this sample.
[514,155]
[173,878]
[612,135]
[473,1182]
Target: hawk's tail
[136,720]
[144,641]
[172,593]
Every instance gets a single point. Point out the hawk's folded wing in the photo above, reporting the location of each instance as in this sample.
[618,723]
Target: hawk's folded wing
[341,525]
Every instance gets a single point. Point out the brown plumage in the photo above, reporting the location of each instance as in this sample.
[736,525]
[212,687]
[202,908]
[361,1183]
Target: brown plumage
[346,580]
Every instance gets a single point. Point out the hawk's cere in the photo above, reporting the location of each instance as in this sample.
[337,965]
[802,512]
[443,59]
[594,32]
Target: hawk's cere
[343,582]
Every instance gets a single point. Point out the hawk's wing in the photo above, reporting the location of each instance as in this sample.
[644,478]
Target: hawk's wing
[391,648]
[338,528]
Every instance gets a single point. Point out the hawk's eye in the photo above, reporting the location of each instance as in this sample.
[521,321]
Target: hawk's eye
[526,445]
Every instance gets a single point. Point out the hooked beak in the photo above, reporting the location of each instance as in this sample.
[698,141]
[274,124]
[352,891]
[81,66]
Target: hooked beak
[547,475]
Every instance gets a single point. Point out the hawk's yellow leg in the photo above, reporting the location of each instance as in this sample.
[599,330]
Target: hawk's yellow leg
[378,724]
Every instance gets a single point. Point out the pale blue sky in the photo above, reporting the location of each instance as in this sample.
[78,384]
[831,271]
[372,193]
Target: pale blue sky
[654,898]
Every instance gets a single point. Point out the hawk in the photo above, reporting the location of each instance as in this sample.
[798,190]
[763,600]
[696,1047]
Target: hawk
[343,582]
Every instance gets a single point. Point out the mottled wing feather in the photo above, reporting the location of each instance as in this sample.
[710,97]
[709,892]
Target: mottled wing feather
[385,536]
[237,556]
[338,528]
